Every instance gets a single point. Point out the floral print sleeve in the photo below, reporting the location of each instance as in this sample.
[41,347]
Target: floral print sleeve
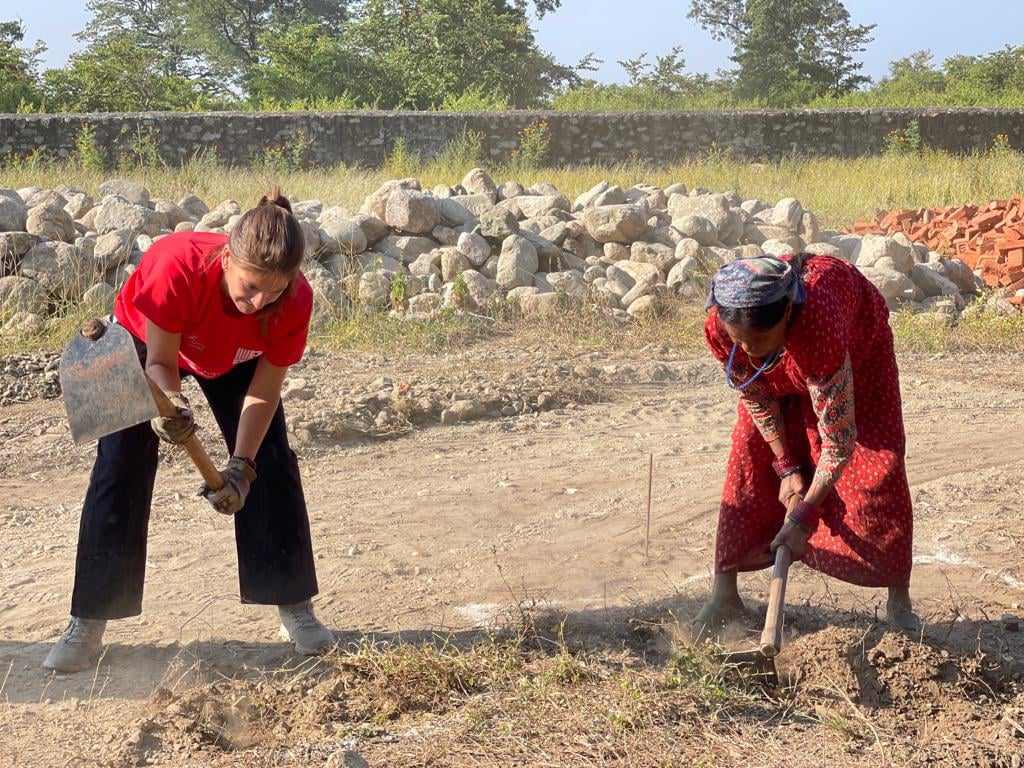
[832,399]
[764,410]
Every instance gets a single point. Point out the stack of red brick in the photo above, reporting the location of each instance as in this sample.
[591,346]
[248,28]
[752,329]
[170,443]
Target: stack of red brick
[989,238]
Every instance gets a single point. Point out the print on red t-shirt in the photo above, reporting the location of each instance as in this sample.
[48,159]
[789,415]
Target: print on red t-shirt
[178,286]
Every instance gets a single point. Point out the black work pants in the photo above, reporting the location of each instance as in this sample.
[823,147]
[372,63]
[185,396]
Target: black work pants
[272,537]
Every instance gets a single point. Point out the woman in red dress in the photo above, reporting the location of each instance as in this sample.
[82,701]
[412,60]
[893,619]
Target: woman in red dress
[806,342]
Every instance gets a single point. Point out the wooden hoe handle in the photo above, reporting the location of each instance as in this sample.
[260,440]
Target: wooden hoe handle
[211,475]
[771,637]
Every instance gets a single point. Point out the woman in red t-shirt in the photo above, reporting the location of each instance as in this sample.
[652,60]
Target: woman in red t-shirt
[233,313]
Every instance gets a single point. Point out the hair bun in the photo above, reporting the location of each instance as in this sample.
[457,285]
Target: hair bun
[274,197]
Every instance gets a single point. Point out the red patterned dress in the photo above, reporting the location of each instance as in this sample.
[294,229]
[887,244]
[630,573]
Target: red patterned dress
[836,391]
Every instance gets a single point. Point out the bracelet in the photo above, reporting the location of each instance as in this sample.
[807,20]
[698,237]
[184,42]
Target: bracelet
[805,515]
[784,467]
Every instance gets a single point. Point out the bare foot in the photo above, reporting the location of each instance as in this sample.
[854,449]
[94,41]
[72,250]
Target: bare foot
[716,614]
[899,611]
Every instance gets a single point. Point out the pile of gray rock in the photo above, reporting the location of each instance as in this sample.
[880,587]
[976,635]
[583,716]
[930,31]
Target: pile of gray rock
[471,247]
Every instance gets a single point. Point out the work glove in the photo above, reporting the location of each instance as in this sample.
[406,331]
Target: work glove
[239,476]
[179,428]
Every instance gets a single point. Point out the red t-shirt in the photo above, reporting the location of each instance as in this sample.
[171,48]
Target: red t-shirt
[178,286]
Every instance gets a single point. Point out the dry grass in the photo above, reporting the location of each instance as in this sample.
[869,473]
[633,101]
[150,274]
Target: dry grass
[974,333]
[680,329]
[627,693]
[500,700]
[580,329]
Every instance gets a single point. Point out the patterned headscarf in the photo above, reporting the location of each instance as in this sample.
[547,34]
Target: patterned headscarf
[756,282]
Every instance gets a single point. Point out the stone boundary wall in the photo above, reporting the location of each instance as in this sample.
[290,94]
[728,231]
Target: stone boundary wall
[366,138]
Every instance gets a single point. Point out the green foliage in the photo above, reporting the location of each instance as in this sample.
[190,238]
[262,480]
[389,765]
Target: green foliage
[155,25]
[87,151]
[401,162]
[399,291]
[665,76]
[118,74]
[994,79]
[460,291]
[466,56]
[904,142]
[307,65]
[26,107]
[301,54]
[19,77]
[140,150]
[474,100]
[428,50]
[1001,146]
[787,51]
[534,145]
[465,151]
[595,97]
[287,157]
[39,160]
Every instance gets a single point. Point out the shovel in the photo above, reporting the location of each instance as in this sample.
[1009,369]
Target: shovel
[105,390]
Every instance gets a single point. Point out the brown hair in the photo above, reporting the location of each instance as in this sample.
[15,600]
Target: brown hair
[268,237]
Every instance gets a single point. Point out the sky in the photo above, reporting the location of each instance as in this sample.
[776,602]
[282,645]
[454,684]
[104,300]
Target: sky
[621,29]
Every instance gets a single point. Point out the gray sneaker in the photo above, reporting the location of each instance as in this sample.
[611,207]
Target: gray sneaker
[300,625]
[78,648]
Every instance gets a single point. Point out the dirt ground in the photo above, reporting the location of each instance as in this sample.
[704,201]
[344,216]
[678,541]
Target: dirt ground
[448,528]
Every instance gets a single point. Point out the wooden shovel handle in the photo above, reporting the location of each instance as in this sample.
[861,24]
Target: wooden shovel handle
[211,475]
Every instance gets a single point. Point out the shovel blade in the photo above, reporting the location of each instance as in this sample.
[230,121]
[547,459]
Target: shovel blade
[104,387]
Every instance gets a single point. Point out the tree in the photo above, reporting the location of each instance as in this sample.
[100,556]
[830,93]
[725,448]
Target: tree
[788,51]
[118,74]
[541,7]
[214,41]
[996,74]
[156,26]
[306,64]
[230,34]
[433,50]
[913,75]
[666,75]
[19,76]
